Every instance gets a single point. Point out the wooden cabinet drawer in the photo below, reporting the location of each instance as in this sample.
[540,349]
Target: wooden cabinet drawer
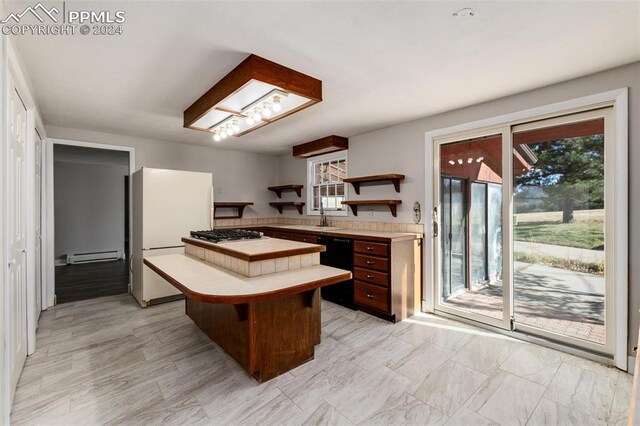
[379,249]
[371,262]
[304,238]
[371,296]
[379,278]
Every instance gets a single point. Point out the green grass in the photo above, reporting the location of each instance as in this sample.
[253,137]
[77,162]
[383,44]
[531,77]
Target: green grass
[586,235]
[596,268]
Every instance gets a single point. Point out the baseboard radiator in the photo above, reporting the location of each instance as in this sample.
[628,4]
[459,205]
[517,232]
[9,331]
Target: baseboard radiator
[99,256]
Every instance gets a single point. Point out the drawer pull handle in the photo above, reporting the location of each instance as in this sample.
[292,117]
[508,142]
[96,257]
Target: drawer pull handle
[370,262]
[369,248]
[369,276]
[370,296]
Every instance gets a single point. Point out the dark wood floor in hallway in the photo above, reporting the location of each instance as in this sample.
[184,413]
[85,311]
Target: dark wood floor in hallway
[91,280]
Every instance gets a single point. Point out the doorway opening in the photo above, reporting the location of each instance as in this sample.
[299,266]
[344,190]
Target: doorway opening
[91,211]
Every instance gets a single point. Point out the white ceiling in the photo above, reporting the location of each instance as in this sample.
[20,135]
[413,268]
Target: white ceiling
[381,63]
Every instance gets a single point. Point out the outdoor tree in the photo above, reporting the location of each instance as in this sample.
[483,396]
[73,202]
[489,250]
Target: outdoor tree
[571,172]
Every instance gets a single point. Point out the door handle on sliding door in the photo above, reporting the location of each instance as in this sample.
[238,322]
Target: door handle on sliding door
[435,229]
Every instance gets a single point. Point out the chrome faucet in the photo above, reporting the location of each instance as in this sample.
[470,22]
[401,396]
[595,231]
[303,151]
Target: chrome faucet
[323,217]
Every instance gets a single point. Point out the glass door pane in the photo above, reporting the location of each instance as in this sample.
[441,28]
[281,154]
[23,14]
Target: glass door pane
[559,230]
[478,243]
[471,229]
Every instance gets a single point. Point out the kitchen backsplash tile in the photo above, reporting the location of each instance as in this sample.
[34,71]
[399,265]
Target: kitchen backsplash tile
[348,224]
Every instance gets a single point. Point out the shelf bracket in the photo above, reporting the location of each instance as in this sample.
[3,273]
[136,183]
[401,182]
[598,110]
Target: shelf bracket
[394,209]
[396,184]
[356,187]
[354,209]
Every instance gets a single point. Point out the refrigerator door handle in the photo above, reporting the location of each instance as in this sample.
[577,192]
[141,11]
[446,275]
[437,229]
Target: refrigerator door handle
[212,212]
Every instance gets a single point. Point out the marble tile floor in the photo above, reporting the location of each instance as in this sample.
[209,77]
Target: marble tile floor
[107,361]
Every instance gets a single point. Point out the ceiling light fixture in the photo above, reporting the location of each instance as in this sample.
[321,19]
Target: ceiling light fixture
[453,163]
[216,136]
[266,109]
[255,93]
[277,107]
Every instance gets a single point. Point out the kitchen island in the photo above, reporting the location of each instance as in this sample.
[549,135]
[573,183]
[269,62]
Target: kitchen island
[269,323]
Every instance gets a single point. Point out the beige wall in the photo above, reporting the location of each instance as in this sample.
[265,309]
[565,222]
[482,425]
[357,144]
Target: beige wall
[237,176]
[401,148]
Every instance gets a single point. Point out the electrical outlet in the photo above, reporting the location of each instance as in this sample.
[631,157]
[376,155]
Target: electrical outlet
[371,213]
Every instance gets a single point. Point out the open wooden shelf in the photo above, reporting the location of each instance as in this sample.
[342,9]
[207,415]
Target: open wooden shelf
[240,205]
[294,187]
[280,204]
[393,205]
[394,178]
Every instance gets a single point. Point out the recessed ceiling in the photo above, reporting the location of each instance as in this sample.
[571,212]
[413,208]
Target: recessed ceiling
[380,63]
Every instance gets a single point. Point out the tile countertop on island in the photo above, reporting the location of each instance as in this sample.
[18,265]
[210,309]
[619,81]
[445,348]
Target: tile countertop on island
[213,284]
[253,250]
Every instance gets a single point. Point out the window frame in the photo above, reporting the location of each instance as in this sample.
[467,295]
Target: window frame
[311,161]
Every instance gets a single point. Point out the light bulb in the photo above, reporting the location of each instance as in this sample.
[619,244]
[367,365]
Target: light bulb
[256,115]
[230,130]
[216,136]
[249,120]
[223,134]
[470,160]
[276,104]
[480,159]
[460,161]
[235,126]
[452,162]
[266,109]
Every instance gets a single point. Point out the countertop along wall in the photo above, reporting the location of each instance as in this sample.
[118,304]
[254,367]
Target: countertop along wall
[237,176]
[401,149]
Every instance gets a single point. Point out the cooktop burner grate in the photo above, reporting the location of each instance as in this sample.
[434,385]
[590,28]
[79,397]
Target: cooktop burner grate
[217,235]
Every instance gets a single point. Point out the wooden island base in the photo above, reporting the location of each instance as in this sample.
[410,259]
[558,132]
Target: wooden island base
[267,338]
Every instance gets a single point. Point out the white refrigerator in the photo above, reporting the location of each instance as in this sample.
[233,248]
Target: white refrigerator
[167,204]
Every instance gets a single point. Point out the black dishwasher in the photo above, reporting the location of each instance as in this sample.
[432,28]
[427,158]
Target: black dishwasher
[339,254]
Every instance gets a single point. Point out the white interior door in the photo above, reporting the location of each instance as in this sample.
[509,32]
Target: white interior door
[37,214]
[17,302]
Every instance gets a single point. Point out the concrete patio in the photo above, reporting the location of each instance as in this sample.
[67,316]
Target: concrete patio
[553,299]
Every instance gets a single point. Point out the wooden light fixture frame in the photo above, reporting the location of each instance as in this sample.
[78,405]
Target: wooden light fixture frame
[255,68]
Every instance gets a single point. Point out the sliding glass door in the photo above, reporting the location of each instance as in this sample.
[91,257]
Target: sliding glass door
[469,218]
[537,263]
[560,285]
